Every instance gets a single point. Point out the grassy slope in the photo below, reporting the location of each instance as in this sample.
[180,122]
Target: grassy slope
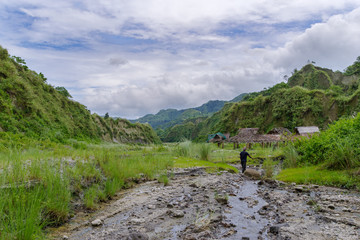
[30,106]
[290,105]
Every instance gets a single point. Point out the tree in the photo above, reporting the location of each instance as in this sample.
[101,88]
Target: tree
[20,61]
[353,69]
[63,92]
[41,75]
[106,115]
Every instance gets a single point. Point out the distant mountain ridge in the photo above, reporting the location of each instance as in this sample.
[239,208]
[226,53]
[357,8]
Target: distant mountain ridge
[170,117]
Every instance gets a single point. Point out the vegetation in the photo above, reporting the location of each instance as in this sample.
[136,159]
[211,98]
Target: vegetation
[312,96]
[31,107]
[317,175]
[43,184]
[175,125]
[53,156]
[336,148]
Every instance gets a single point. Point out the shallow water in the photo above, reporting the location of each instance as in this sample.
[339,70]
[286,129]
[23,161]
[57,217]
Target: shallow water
[244,212]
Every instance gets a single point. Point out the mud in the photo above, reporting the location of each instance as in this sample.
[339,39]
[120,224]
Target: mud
[200,205]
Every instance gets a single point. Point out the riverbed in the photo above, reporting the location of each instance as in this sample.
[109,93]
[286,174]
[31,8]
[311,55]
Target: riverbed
[223,205]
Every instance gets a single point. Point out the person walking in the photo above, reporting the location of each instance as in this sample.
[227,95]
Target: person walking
[243,158]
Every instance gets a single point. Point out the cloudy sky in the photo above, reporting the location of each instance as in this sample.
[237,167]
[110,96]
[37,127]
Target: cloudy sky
[134,57]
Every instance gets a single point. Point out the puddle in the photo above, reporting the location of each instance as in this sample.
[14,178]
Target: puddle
[244,212]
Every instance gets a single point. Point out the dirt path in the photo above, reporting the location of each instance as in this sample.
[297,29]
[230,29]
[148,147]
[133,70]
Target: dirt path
[198,205]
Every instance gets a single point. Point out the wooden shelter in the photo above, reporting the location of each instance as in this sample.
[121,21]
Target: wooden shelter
[252,135]
[218,138]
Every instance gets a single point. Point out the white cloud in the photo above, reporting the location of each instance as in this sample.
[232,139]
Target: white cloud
[130,58]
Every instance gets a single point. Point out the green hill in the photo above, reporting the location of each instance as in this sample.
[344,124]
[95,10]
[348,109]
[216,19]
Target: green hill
[29,106]
[312,96]
[166,119]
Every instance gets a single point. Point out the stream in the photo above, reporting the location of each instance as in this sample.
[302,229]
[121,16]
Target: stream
[199,205]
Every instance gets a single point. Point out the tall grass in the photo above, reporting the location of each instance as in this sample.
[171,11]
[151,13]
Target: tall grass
[342,157]
[37,186]
[184,148]
[291,157]
[204,151]
[268,166]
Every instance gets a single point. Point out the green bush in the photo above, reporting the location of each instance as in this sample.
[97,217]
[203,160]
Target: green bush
[291,156]
[204,151]
[336,148]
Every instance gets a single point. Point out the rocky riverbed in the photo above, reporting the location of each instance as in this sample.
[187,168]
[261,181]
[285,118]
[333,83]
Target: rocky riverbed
[200,205]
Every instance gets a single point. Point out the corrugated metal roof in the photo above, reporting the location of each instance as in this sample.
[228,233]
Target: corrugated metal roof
[217,136]
[307,130]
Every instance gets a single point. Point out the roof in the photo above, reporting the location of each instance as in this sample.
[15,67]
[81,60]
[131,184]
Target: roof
[280,130]
[251,135]
[218,136]
[307,130]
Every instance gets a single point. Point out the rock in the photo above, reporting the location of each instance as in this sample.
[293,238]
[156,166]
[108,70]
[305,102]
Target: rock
[245,238]
[229,233]
[151,206]
[252,173]
[137,221]
[222,199]
[346,210]
[332,207]
[176,213]
[65,237]
[96,223]
[137,236]
[274,230]
[194,185]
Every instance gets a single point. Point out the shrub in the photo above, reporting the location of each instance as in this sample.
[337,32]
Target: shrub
[204,151]
[291,156]
[268,167]
[184,148]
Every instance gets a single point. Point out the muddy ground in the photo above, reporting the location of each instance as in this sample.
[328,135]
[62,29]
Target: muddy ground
[200,205]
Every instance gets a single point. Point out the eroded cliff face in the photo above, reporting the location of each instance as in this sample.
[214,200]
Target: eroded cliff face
[123,131]
[32,107]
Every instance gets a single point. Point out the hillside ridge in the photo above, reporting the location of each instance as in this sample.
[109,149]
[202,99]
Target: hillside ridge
[31,107]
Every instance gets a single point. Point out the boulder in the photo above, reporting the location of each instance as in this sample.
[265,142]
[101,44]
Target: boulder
[96,223]
[252,174]
[137,236]
[176,213]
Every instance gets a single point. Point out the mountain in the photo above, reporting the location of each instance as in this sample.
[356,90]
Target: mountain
[29,106]
[312,96]
[170,117]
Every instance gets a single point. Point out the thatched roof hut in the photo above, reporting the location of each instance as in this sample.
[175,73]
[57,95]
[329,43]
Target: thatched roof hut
[251,135]
[280,131]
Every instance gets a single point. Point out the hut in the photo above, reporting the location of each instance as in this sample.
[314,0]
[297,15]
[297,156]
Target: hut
[218,138]
[307,131]
[280,131]
[252,135]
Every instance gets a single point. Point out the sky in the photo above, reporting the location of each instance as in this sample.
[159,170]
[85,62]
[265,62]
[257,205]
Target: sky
[130,58]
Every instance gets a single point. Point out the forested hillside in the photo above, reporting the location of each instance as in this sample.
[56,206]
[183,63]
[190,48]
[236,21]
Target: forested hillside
[170,117]
[31,107]
[312,96]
